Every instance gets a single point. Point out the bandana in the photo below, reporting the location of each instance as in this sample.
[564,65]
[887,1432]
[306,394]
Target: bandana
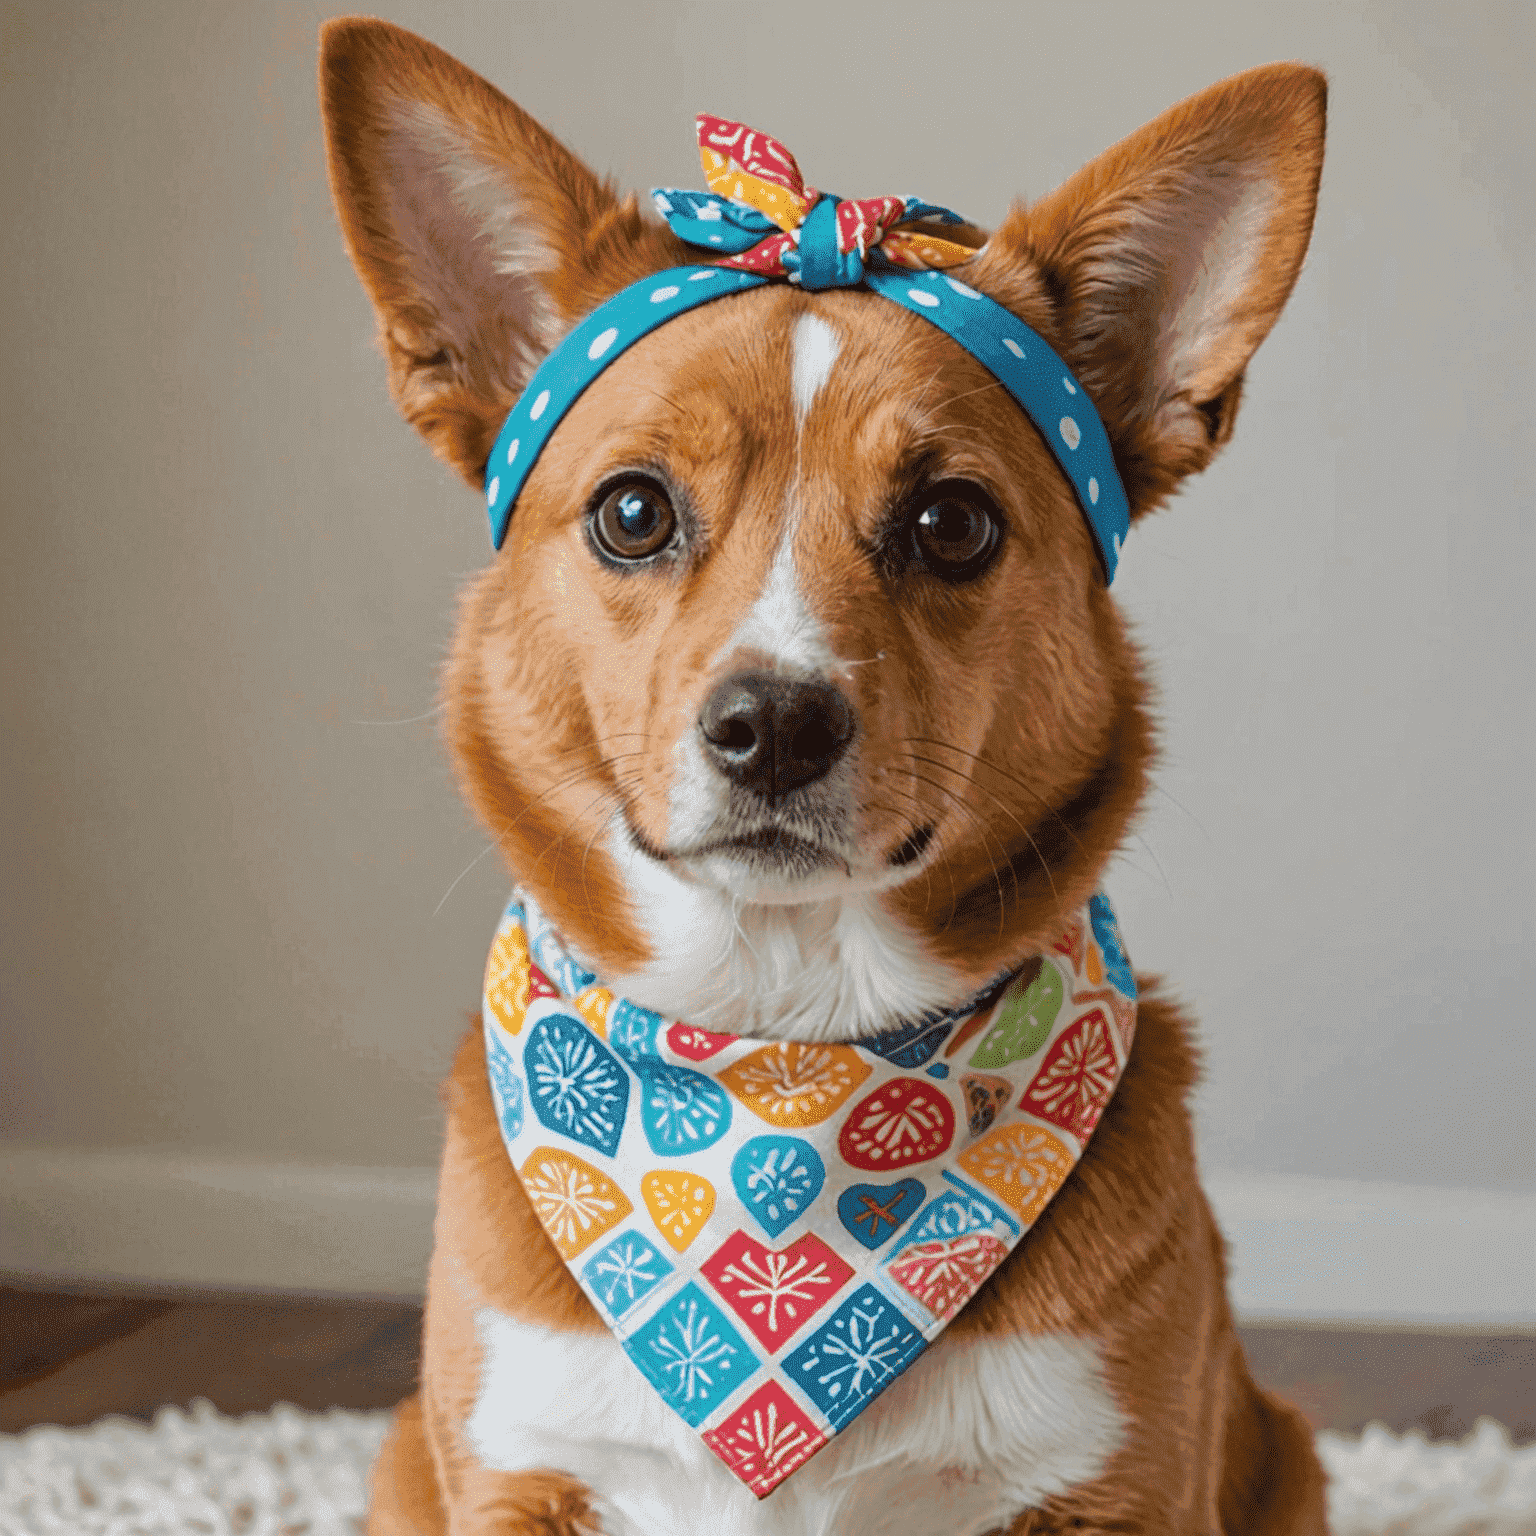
[775,1231]
[763,223]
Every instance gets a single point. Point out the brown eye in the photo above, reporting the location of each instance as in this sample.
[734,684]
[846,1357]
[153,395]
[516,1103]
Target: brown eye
[633,522]
[955,536]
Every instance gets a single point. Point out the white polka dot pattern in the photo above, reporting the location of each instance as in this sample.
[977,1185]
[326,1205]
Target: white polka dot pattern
[1019,358]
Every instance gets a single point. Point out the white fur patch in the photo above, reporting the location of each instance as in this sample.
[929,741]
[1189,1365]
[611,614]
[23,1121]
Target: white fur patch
[780,625]
[823,967]
[815,347]
[975,1432]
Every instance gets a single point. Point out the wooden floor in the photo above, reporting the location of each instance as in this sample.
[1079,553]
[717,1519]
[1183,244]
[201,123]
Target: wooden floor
[68,1359]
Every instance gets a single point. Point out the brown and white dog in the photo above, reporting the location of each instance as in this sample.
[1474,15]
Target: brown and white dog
[998,747]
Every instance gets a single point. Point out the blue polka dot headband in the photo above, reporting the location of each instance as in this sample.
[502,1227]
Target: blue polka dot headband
[827,243]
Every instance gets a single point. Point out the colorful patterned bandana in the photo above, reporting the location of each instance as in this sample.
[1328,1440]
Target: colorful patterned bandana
[772,227]
[774,1232]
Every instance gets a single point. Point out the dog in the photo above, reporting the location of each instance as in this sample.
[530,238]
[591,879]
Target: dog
[797,702]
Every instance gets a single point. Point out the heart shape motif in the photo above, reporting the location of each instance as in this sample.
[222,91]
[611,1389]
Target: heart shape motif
[775,1292]
[872,1212]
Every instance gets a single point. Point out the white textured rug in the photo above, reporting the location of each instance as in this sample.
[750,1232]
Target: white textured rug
[287,1473]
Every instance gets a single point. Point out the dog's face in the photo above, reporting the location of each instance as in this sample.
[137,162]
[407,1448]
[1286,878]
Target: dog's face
[798,605]
[797,623]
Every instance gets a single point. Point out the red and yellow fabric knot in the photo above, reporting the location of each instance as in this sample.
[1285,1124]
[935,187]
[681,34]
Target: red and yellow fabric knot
[762,217]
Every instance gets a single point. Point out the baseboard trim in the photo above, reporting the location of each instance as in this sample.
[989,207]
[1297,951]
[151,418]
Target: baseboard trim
[1395,1255]
[1311,1251]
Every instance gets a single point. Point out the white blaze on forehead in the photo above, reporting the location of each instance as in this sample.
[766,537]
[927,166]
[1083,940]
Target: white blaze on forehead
[815,349]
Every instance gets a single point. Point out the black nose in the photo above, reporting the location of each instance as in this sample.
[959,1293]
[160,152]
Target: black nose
[774,734]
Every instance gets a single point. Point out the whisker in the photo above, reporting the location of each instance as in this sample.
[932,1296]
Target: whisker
[979,389]
[1008,809]
[490,847]
[976,821]
[500,839]
[436,709]
[1003,773]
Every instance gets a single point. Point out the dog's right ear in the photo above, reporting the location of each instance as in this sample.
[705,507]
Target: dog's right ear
[478,236]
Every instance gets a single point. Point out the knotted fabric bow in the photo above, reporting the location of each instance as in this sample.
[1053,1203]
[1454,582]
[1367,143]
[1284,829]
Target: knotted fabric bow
[760,212]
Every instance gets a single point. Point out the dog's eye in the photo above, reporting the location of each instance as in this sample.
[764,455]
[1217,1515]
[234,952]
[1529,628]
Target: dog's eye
[955,535]
[633,522]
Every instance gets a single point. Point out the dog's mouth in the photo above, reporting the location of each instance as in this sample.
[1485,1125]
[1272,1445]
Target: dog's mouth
[765,849]
[780,854]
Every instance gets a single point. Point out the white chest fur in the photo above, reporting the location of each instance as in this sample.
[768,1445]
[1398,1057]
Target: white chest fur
[975,1432]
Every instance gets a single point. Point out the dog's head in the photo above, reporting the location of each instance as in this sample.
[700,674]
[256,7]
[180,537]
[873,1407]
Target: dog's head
[798,653]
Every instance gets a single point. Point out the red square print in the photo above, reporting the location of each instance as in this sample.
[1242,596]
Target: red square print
[765,1439]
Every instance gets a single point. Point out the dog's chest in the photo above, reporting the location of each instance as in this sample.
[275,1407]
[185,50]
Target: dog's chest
[976,1431]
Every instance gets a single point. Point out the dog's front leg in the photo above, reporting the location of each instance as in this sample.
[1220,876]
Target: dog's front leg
[408,1496]
[492,1503]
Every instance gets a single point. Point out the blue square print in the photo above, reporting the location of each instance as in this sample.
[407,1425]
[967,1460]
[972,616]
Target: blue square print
[624,1272]
[691,1354]
[865,1346]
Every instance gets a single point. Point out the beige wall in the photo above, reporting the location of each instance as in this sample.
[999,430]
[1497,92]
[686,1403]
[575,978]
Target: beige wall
[234,922]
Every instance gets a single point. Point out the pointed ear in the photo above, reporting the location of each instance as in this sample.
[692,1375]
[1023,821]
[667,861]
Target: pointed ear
[479,237]
[1170,257]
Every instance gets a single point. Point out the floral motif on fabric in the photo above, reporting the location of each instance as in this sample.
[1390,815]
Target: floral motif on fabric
[775,1291]
[848,1363]
[506,979]
[796,1085]
[506,1087]
[691,1354]
[777,1178]
[681,1110]
[1077,1078]
[1023,1020]
[574,1201]
[696,1044]
[680,1202]
[593,1003]
[623,1273]
[943,1275]
[912,1046]
[576,1086]
[1022,1164]
[902,1122]
[765,1439]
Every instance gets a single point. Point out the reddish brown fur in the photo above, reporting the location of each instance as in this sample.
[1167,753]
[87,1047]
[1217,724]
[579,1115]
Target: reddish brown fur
[1032,770]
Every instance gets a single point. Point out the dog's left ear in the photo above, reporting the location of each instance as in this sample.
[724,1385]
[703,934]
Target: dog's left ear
[1171,255]
[479,237]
